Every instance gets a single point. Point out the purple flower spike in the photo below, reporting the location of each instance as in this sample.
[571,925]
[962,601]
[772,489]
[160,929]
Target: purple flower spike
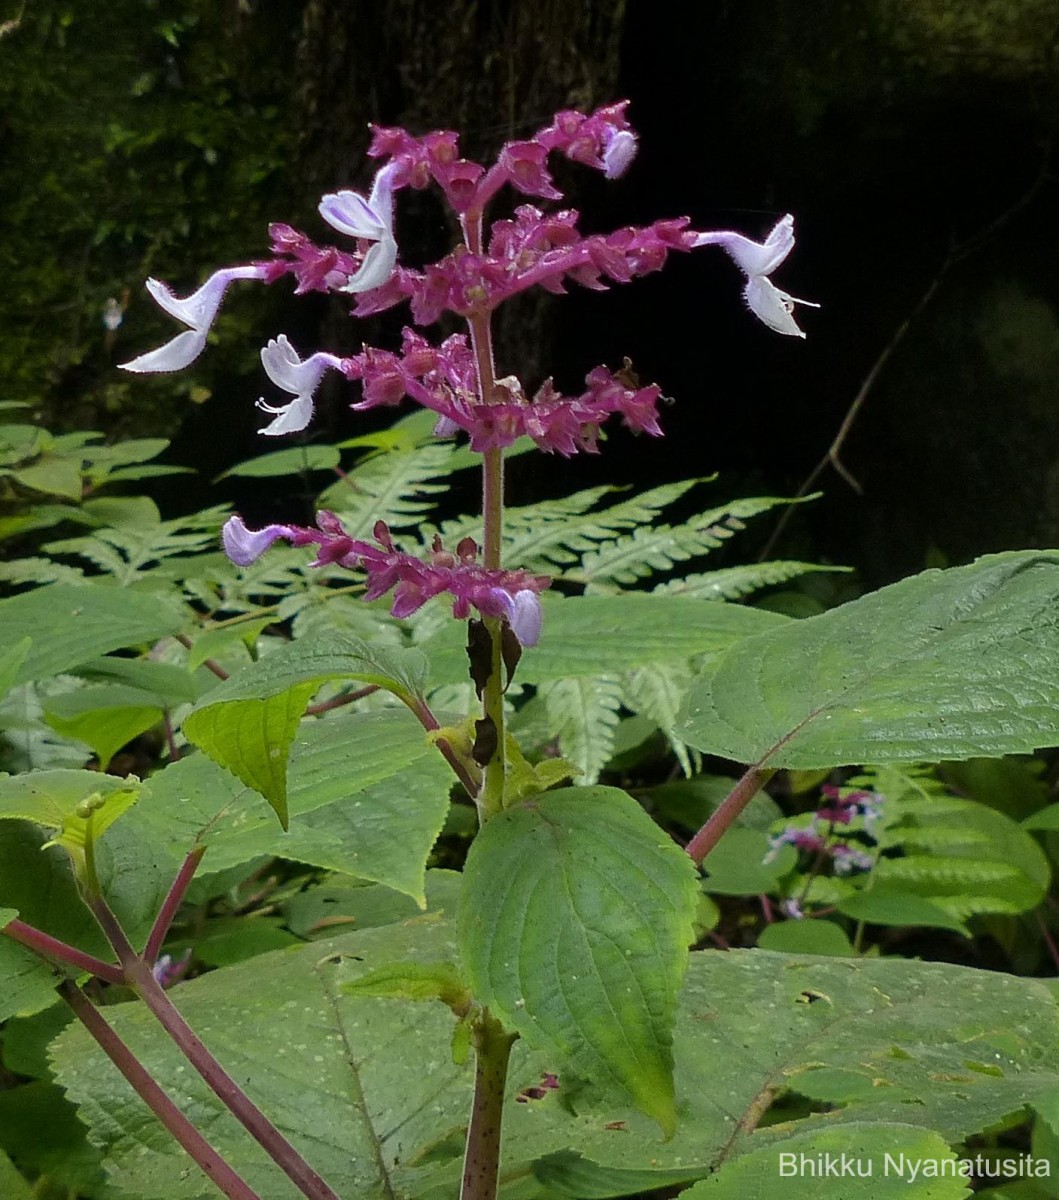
[757,260]
[287,371]
[244,546]
[196,311]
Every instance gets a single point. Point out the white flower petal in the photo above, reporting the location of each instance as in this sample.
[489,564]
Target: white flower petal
[619,153]
[175,355]
[290,418]
[350,213]
[772,306]
[376,268]
[525,617]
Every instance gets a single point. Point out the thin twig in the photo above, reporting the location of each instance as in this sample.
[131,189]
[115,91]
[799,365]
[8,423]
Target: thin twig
[956,254]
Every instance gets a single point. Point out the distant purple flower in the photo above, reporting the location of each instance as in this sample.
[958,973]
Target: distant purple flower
[509,594]
[197,311]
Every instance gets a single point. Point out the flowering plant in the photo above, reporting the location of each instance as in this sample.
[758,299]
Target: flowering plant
[558,958]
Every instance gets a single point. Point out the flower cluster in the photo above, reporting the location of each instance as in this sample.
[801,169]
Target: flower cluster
[532,248]
[819,838]
[512,595]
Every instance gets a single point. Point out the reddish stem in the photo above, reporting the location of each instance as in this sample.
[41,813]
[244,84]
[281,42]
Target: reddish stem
[208,1160]
[49,947]
[746,788]
[174,899]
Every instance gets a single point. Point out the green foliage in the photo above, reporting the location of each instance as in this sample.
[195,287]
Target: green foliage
[947,664]
[575,917]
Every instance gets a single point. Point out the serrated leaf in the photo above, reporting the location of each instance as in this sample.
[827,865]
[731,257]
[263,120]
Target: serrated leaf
[868,1162]
[576,915]
[70,624]
[11,661]
[368,796]
[945,665]
[105,717]
[248,724]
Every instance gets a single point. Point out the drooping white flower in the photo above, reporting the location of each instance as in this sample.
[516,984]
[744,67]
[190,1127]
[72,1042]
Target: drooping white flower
[757,260]
[244,546]
[618,152]
[368,220]
[197,311]
[287,371]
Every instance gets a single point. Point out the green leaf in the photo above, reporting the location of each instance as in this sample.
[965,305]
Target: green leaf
[740,864]
[576,916]
[368,793]
[216,643]
[868,1162]
[105,717]
[1046,819]
[58,476]
[807,936]
[53,799]
[590,636]
[415,981]
[945,665]
[12,1183]
[248,724]
[27,983]
[39,1128]
[169,685]
[11,661]
[286,462]
[889,906]
[71,624]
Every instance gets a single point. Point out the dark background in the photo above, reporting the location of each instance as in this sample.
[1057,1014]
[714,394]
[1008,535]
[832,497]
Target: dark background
[911,139]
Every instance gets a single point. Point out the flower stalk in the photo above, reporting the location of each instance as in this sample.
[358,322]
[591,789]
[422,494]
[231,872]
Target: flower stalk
[481,1163]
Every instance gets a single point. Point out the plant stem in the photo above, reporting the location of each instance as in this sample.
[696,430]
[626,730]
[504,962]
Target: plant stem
[207,1158]
[747,787]
[174,898]
[139,977]
[467,772]
[481,1162]
[48,947]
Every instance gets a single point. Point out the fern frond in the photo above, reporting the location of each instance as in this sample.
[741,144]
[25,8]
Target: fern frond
[657,693]
[584,713]
[397,486]
[733,583]
[39,570]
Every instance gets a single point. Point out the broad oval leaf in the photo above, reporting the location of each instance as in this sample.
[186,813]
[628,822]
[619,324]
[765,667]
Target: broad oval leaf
[248,724]
[944,665]
[72,623]
[575,920]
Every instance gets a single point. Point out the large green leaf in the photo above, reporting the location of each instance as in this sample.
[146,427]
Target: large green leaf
[367,1090]
[70,624]
[12,1184]
[27,983]
[576,916]
[248,724]
[605,635]
[55,799]
[106,716]
[368,792]
[945,665]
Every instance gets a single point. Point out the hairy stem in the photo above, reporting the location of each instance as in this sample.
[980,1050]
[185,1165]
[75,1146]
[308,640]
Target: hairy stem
[481,1162]
[208,1160]
[174,898]
[139,977]
[467,772]
[48,947]
[746,788]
